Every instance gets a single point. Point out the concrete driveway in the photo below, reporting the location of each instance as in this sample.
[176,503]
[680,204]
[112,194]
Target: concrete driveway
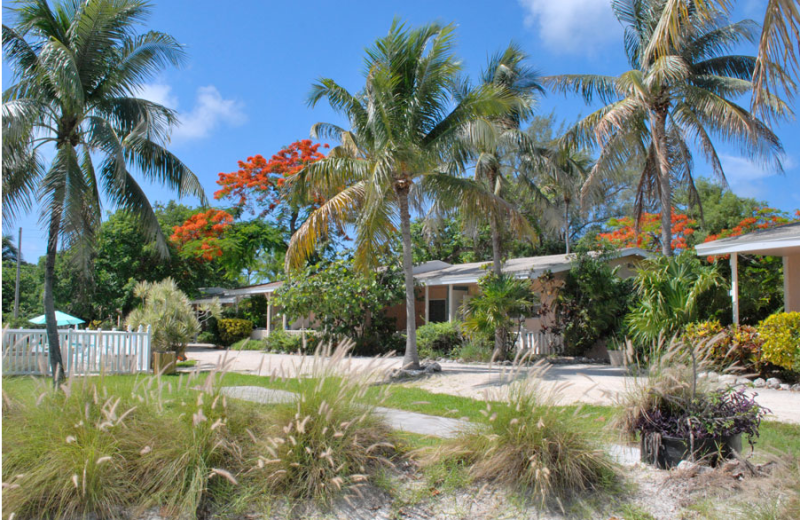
[592,384]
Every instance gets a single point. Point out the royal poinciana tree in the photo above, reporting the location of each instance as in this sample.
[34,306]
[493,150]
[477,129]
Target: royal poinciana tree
[403,126]
[77,68]
[260,183]
[680,94]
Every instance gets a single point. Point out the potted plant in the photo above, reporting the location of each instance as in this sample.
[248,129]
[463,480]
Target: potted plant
[676,419]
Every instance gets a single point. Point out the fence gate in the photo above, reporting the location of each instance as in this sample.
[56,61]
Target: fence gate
[26,351]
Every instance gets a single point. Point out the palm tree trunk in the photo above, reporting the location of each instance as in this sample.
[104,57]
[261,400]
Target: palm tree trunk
[54,348]
[497,268]
[665,186]
[566,223]
[411,358]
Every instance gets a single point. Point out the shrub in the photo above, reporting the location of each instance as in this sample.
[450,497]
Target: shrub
[232,330]
[732,346]
[781,336]
[473,350]
[529,442]
[207,337]
[579,317]
[438,338]
[282,341]
[329,439]
[97,446]
[168,312]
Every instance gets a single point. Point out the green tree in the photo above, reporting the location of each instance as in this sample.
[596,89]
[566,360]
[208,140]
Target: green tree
[77,67]
[403,126]
[30,290]
[168,313]
[675,94]
[345,302]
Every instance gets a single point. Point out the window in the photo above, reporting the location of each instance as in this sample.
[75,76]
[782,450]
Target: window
[437,311]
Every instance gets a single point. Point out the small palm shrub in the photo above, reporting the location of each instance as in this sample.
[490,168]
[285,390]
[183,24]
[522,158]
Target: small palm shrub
[96,447]
[530,443]
[439,339]
[781,336]
[669,291]
[329,440]
[168,312]
[232,330]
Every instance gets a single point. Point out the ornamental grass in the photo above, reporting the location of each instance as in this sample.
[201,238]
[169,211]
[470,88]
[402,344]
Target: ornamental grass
[110,447]
[528,442]
[329,441]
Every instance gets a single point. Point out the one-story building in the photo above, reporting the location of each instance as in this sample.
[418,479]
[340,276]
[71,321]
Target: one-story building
[443,288]
[783,241]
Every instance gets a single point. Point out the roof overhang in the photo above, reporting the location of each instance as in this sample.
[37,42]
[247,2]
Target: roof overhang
[764,247]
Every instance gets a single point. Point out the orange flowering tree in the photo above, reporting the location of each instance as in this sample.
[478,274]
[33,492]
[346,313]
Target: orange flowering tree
[261,181]
[762,218]
[623,232]
[202,235]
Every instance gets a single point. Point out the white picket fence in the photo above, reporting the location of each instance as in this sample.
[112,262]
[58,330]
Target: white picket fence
[25,351]
[542,343]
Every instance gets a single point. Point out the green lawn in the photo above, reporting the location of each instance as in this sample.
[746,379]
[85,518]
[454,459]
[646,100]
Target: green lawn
[775,436]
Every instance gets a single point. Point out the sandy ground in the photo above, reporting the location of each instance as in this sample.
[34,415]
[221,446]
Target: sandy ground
[593,384]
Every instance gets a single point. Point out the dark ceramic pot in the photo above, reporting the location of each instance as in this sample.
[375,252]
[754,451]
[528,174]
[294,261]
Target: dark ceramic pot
[666,452]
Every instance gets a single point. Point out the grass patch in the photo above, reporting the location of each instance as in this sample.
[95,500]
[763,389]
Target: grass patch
[186,364]
[249,344]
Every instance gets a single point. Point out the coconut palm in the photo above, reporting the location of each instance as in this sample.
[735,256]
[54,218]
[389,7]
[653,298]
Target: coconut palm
[77,68]
[489,144]
[670,100]
[403,126]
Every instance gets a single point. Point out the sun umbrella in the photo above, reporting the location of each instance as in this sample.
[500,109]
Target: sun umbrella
[62,318]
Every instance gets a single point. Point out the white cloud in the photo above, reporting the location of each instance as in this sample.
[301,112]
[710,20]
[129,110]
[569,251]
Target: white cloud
[209,112]
[573,26]
[746,177]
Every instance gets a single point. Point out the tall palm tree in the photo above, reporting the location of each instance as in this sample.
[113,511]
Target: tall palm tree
[77,68]
[671,99]
[487,144]
[404,124]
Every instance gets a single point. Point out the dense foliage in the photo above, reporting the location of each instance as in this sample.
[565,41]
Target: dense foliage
[739,347]
[439,339]
[232,330]
[345,302]
[591,303]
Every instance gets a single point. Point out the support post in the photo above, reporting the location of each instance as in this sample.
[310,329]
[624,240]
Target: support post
[791,282]
[16,284]
[285,322]
[269,315]
[427,304]
[451,304]
[735,287]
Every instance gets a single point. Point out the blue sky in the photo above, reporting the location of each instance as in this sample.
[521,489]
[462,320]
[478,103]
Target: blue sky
[243,89]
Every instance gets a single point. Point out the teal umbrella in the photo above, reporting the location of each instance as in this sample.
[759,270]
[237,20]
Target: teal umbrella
[62,318]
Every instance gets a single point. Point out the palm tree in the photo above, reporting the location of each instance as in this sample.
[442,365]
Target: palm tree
[77,68]
[403,126]
[487,143]
[671,98]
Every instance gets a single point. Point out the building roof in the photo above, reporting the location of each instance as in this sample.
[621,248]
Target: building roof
[529,267]
[261,288]
[777,241]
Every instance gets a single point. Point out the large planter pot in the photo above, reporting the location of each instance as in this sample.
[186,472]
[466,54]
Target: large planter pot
[164,362]
[616,357]
[666,452]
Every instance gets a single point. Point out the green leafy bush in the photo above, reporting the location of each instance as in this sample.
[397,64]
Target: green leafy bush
[591,304]
[781,336]
[473,350]
[207,337]
[526,441]
[439,339]
[232,330]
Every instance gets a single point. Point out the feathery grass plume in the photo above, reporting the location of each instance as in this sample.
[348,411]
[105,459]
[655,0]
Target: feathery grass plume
[99,446]
[528,442]
[327,441]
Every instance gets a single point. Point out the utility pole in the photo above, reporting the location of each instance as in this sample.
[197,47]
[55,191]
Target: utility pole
[16,286]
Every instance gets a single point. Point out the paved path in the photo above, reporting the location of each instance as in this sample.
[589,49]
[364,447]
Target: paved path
[593,384]
[397,419]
